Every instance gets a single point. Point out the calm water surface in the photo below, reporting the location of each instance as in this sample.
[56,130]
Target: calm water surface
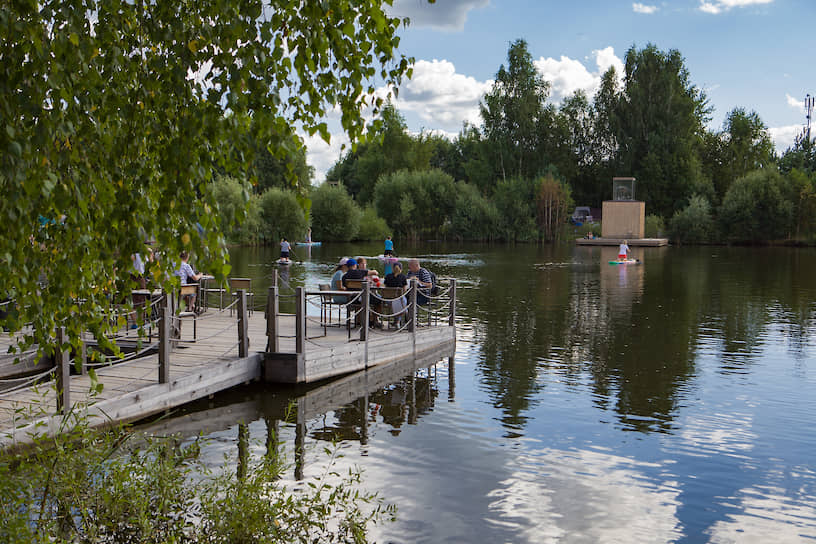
[668,402]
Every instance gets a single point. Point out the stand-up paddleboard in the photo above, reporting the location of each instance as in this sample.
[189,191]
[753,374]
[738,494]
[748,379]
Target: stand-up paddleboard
[284,263]
[312,244]
[626,261]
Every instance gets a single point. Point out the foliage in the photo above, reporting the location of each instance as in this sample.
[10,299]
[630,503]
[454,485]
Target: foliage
[693,223]
[801,192]
[655,227]
[801,155]
[515,200]
[282,216]
[289,171]
[116,114]
[232,197]
[659,121]
[387,150]
[335,215]
[474,217]
[743,145]
[755,208]
[553,203]
[415,202]
[512,111]
[120,487]
[372,226]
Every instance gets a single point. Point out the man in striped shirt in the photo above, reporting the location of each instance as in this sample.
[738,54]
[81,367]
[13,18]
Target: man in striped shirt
[423,278]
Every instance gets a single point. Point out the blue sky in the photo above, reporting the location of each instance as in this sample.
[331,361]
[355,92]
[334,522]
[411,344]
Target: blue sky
[756,54]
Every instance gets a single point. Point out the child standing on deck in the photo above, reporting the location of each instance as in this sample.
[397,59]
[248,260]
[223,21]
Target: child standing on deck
[389,247]
[623,252]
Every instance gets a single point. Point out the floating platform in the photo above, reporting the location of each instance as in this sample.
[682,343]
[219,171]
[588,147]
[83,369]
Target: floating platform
[191,357]
[632,242]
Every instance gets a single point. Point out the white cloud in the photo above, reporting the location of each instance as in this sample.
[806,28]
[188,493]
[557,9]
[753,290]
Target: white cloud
[569,75]
[322,156]
[719,6]
[443,14]
[794,102]
[440,96]
[783,137]
[637,7]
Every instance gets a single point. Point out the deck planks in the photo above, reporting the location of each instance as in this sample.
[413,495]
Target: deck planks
[207,364]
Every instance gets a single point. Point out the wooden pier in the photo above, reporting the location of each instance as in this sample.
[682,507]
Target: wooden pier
[191,357]
[633,242]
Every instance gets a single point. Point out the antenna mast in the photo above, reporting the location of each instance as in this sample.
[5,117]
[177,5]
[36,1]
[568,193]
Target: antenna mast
[809,103]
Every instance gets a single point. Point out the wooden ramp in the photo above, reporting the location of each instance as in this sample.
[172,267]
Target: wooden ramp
[197,356]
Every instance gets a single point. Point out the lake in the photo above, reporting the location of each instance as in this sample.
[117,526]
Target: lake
[671,401]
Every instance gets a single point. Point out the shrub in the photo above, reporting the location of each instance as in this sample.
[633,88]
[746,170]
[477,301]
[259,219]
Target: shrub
[372,226]
[755,208]
[474,217]
[90,486]
[335,215]
[655,227]
[282,216]
[693,223]
[414,202]
[553,201]
[515,201]
[231,196]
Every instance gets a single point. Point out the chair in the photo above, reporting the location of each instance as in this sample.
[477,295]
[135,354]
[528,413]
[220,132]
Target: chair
[326,304]
[389,294]
[354,306]
[187,290]
[246,285]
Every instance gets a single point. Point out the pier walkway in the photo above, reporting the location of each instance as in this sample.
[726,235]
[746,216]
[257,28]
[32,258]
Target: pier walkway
[181,358]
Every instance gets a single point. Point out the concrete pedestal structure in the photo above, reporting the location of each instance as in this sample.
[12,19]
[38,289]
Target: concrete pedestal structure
[623,219]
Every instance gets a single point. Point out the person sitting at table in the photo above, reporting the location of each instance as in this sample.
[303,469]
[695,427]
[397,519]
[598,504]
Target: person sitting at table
[187,275]
[396,278]
[337,281]
[356,273]
[424,280]
[362,263]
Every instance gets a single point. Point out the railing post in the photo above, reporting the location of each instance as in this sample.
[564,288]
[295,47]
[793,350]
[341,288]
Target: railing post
[273,342]
[300,320]
[413,312]
[243,337]
[365,307]
[452,294]
[63,371]
[164,340]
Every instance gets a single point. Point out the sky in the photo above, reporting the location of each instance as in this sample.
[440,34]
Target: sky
[754,54]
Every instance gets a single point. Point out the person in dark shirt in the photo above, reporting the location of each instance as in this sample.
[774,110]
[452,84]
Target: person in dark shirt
[396,278]
[356,274]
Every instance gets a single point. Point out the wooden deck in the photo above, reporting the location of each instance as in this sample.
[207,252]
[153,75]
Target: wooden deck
[641,242]
[213,361]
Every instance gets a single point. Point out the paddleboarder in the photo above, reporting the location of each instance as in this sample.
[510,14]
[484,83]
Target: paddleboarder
[623,252]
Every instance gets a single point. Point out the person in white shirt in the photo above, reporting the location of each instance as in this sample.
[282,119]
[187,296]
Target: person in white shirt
[623,252]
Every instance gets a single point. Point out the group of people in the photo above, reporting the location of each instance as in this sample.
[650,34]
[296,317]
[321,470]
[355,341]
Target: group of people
[351,269]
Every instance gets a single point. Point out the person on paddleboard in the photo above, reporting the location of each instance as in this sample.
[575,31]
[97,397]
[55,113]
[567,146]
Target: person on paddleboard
[285,249]
[623,252]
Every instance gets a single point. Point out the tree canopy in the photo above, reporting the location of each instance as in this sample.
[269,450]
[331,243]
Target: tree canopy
[116,115]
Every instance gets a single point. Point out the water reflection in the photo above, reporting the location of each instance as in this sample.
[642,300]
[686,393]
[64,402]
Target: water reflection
[670,401]
[396,394]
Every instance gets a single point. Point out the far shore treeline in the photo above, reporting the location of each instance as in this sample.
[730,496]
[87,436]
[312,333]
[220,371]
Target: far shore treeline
[518,175]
